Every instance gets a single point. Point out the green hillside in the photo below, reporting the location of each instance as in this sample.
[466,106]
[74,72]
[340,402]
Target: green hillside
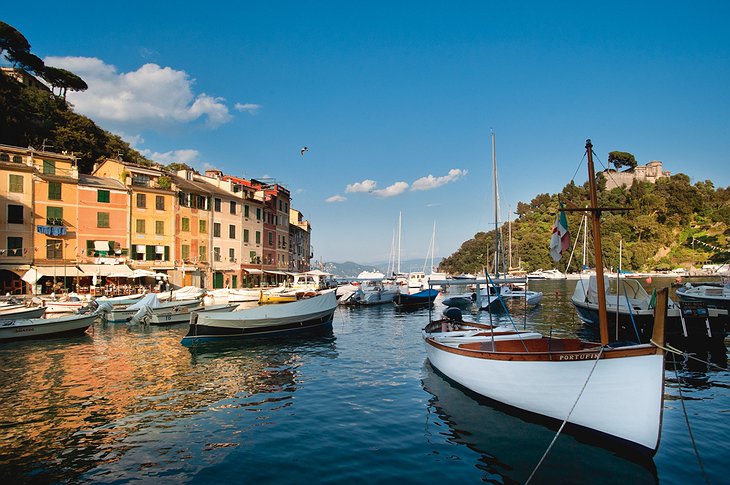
[671,223]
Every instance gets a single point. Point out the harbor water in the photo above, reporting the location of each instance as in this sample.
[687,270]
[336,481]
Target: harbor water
[358,405]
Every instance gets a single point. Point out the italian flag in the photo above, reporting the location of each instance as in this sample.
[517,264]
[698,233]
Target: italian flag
[560,240]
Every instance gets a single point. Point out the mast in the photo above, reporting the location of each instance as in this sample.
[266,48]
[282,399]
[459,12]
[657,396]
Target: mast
[596,216]
[509,231]
[400,214]
[496,208]
[585,234]
[433,244]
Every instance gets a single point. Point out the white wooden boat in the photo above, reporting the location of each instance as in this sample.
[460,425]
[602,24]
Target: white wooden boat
[182,314]
[268,320]
[615,391]
[372,292]
[13,329]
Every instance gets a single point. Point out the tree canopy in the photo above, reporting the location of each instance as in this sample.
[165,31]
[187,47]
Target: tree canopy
[622,159]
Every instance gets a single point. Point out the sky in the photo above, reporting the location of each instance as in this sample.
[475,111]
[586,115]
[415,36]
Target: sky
[396,100]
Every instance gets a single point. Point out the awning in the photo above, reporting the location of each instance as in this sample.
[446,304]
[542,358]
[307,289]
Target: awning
[101,246]
[282,273]
[35,273]
[117,270]
[159,249]
[252,271]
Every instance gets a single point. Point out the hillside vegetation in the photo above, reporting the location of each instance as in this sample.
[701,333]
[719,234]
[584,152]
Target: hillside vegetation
[671,223]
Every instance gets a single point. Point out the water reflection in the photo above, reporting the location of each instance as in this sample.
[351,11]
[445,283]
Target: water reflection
[73,404]
[510,447]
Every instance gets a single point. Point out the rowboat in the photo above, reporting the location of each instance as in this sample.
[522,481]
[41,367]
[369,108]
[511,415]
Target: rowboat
[310,314]
[18,312]
[148,304]
[182,314]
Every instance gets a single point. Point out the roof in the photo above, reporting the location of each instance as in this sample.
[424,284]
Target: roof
[101,182]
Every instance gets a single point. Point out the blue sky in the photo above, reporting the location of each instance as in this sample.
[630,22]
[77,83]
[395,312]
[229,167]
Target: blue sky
[387,93]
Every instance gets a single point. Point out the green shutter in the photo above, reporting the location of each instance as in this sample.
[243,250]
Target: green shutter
[102,196]
[149,253]
[167,253]
[54,191]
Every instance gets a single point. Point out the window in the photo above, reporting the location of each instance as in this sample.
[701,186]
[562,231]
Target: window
[140,226]
[232,255]
[102,219]
[141,180]
[258,213]
[159,202]
[17,159]
[203,226]
[203,255]
[54,249]
[283,242]
[216,229]
[102,196]
[185,251]
[281,207]
[216,254]
[141,201]
[233,207]
[245,235]
[217,204]
[16,183]
[286,207]
[4,157]
[160,228]
[231,231]
[185,224]
[252,257]
[271,238]
[258,237]
[15,246]
[54,216]
[49,167]
[245,211]
[54,191]
[15,214]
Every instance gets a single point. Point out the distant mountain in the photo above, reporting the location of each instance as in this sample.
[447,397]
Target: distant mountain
[350,269]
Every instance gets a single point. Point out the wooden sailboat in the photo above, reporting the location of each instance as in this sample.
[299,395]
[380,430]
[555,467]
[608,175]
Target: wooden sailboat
[615,391]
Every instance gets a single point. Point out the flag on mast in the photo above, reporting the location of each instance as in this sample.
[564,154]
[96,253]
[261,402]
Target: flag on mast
[560,240]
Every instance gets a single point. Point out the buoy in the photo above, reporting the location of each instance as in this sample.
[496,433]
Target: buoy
[648,280]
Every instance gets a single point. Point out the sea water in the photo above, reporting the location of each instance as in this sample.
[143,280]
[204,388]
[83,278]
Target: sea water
[358,405]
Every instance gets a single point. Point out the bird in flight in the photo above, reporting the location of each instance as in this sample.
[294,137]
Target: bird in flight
[303,149]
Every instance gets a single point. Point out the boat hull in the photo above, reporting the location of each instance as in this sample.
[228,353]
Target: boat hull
[22,312]
[45,328]
[207,332]
[422,298]
[622,399]
[721,302]
[124,315]
[182,315]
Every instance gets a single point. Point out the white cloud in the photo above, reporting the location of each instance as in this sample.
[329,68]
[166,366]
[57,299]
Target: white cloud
[430,182]
[186,156]
[393,190]
[150,95]
[336,198]
[364,186]
[249,108]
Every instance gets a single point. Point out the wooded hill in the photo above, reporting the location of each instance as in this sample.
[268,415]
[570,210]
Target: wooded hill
[33,116]
[670,224]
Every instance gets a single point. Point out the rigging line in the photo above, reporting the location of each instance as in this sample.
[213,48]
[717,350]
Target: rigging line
[579,165]
[686,419]
[595,363]
[499,297]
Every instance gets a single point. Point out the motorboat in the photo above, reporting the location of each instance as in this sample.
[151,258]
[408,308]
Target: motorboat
[630,312]
[373,292]
[150,303]
[713,296]
[178,314]
[311,314]
[415,300]
[24,328]
[21,311]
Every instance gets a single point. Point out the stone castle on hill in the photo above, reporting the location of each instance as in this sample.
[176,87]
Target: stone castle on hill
[651,172]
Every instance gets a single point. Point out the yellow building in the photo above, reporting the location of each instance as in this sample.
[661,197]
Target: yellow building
[16,222]
[55,202]
[152,235]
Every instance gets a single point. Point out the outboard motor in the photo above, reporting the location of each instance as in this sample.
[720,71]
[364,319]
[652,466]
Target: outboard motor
[453,313]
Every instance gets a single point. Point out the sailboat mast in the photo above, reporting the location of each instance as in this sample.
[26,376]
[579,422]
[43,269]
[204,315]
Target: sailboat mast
[400,215]
[509,225]
[496,207]
[596,216]
[585,234]
[433,244]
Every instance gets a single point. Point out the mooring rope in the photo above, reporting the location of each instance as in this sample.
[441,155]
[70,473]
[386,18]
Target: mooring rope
[595,363]
[689,428]
[674,350]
